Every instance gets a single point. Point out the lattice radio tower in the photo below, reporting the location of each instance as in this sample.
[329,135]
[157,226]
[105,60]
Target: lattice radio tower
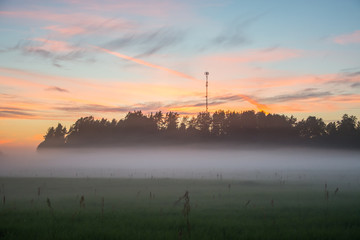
[207,75]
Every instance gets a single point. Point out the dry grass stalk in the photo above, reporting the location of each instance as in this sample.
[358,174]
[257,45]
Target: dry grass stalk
[185,211]
[180,233]
[326,192]
[82,202]
[48,203]
[102,206]
[327,195]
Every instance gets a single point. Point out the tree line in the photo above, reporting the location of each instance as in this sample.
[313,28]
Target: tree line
[221,126]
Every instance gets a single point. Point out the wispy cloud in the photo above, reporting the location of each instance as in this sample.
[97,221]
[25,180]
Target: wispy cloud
[275,54]
[90,108]
[353,37]
[219,100]
[73,23]
[147,43]
[54,50]
[182,105]
[233,34]
[53,46]
[355,85]
[14,114]
[354,74]
[57,89]
[236,97]
[348,98]
[142,62]
[349,77]
[149,8]
[299,95]
[67,31]
[99,108]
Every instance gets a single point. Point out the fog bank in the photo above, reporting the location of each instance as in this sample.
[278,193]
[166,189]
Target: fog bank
[185,162]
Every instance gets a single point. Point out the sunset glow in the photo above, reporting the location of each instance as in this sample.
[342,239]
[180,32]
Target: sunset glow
[61,60]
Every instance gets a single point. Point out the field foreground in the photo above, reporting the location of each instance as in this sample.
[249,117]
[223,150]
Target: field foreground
[99,208]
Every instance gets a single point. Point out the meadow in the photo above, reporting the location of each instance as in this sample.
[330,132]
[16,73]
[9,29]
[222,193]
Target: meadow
[155,208]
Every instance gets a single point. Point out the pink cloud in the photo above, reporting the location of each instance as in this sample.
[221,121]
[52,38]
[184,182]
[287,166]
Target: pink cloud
[74,23]
[353,98]
[67,31]
[52,46]
[348,38]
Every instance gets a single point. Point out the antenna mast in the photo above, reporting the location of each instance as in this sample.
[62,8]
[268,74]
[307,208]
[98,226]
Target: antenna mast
[207,75]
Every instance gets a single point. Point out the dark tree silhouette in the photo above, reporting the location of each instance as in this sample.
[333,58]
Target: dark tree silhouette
[331,129]
[347,126]
[54,137]
[171,121]
[237,127]
[312,127]
[203,123]
[219,123]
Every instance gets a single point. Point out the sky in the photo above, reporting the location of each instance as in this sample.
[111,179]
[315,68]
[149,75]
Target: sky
[65,59]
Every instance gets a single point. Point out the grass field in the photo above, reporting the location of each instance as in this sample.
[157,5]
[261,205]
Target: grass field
[51,208]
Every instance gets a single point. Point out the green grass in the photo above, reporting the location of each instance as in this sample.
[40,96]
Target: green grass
[300,209]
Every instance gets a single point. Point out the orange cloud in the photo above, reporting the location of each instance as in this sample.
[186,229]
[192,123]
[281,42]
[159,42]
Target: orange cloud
[354,98]
[5,141]
[260,107]
[34,78]
[348,38]
[14,81]
[141,62]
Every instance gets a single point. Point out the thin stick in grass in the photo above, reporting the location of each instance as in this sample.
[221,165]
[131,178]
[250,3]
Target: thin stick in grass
[185,211]
[3,191]
[48,203]
[102,206]
[327,196]
[82,202]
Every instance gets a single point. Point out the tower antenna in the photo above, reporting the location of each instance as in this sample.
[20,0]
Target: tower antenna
[207,75]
